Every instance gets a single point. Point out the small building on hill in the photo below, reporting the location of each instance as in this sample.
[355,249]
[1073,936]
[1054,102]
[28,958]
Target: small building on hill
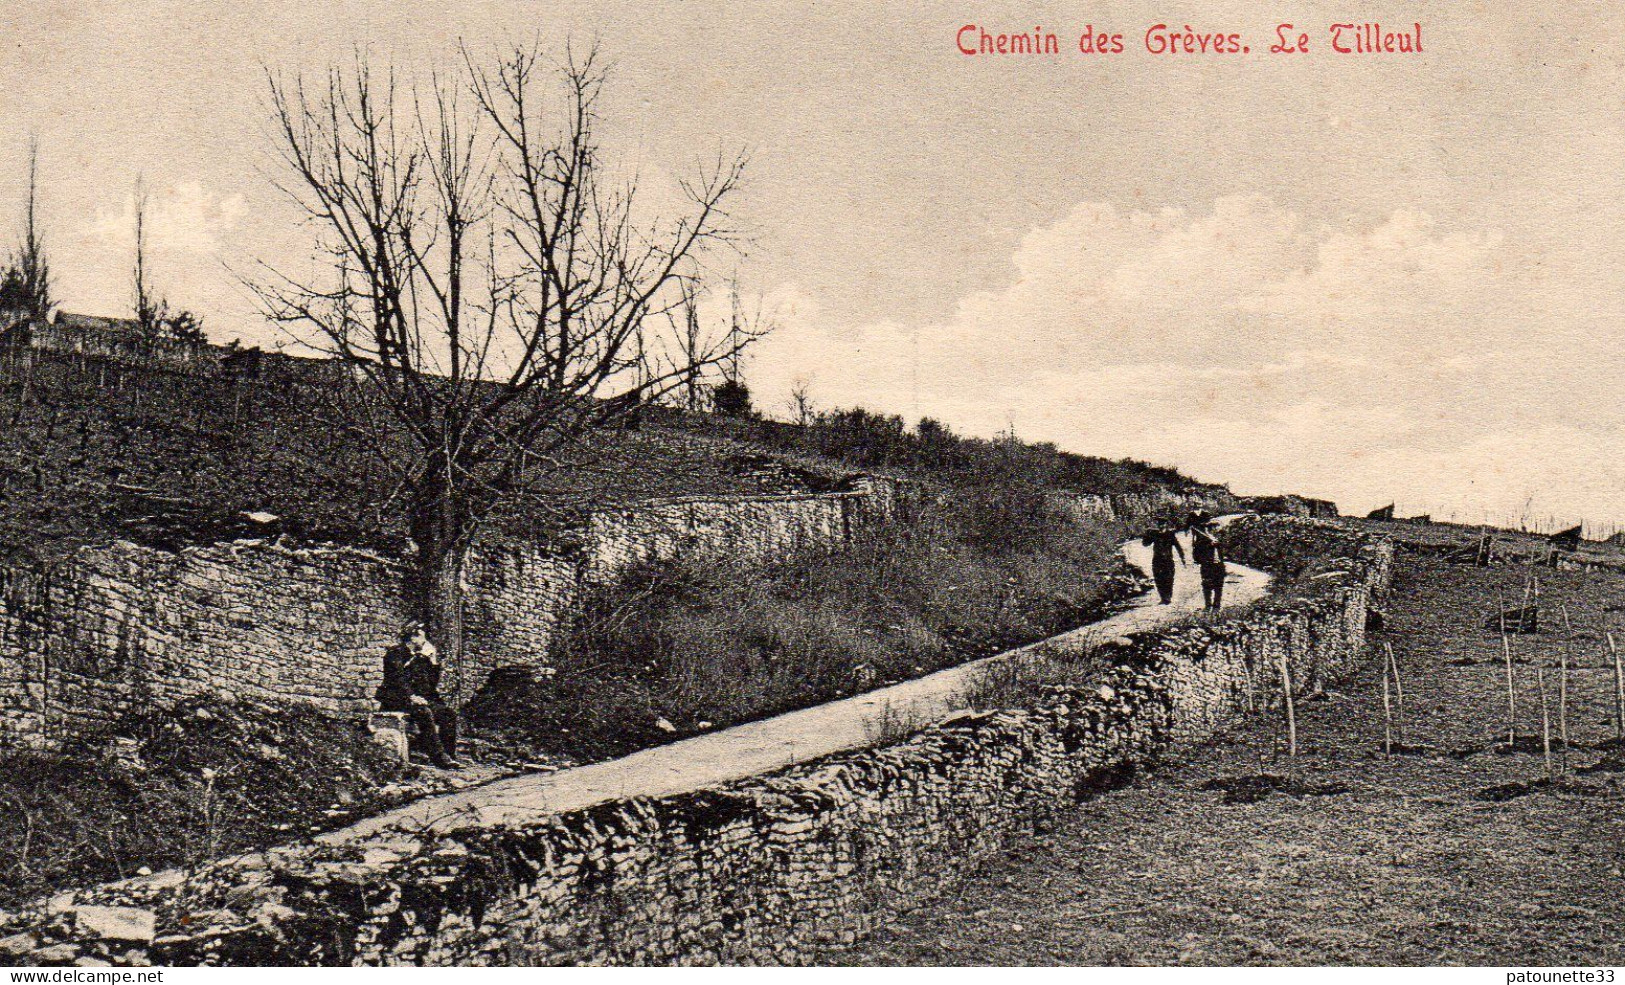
[118,339]
[1323,509]
[1568,540]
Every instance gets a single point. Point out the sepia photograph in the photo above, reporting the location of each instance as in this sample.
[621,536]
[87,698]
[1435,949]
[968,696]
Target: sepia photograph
[833,484]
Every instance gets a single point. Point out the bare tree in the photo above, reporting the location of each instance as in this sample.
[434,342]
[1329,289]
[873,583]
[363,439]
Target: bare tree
[25,285]
[157,320]
[740,323]
[495,287]
[802,408]
[732,397]
[691,340]
[695,334]
[147,313]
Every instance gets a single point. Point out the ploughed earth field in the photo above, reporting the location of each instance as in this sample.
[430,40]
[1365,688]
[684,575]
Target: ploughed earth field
[1454,850]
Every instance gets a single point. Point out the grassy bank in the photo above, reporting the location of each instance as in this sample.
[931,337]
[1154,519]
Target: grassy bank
[673,649]
[868,441]
[92,449]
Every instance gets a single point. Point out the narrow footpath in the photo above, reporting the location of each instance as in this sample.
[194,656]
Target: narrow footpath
[773,743]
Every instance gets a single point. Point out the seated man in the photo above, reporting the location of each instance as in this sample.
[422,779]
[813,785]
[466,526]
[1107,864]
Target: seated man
[412,685]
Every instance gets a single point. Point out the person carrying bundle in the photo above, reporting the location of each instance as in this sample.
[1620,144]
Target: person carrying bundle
[1208,554]
[1164,543]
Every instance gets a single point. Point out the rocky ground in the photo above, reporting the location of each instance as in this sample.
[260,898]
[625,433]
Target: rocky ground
[184,785]
[1454,850]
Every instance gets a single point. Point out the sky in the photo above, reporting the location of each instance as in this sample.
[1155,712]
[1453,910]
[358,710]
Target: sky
[1384,278]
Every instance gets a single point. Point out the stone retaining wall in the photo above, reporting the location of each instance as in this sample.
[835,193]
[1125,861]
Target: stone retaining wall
[83,641]
[752,529]
[759,871]
[121,626]
[1136,507]
[1290,505]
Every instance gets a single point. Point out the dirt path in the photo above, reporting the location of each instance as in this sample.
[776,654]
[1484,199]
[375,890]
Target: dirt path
[759,747]
[1414,864]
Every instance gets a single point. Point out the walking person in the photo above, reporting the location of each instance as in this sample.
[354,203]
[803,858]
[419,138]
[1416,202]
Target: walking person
[1164,543]
[1208,553]
[412,685]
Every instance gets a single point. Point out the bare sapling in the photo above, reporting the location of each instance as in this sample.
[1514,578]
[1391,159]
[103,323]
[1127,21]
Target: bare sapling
[1545,720]
[1387,717]
[1291,709]
[1619,691]
[1399,689]
[1512,699]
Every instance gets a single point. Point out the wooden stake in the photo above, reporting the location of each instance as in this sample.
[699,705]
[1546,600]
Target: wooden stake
[1619,691]
[1563,715]
[1512,701]
[1291,710]
[1563,694]
[1399,689]
[1387,718]
[1545,719]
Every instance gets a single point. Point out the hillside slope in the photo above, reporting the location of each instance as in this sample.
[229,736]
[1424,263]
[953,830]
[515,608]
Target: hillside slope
[93,448]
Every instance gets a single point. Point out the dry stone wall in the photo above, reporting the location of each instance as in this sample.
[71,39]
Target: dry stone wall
[1135,507]
[121,626]
[750,529]
[82,642]
[764,870]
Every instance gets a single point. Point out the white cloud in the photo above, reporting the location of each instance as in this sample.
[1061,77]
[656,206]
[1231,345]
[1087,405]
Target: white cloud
[189,229]
[1394,360]
[186,221]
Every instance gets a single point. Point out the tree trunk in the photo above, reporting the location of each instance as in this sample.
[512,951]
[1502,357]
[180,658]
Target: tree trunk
[437,592]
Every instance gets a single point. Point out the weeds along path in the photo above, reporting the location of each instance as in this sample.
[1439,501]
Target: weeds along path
[1453,852]
[759,747]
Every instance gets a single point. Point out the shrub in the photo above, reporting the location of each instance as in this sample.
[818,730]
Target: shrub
[706,643]
[731,398]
